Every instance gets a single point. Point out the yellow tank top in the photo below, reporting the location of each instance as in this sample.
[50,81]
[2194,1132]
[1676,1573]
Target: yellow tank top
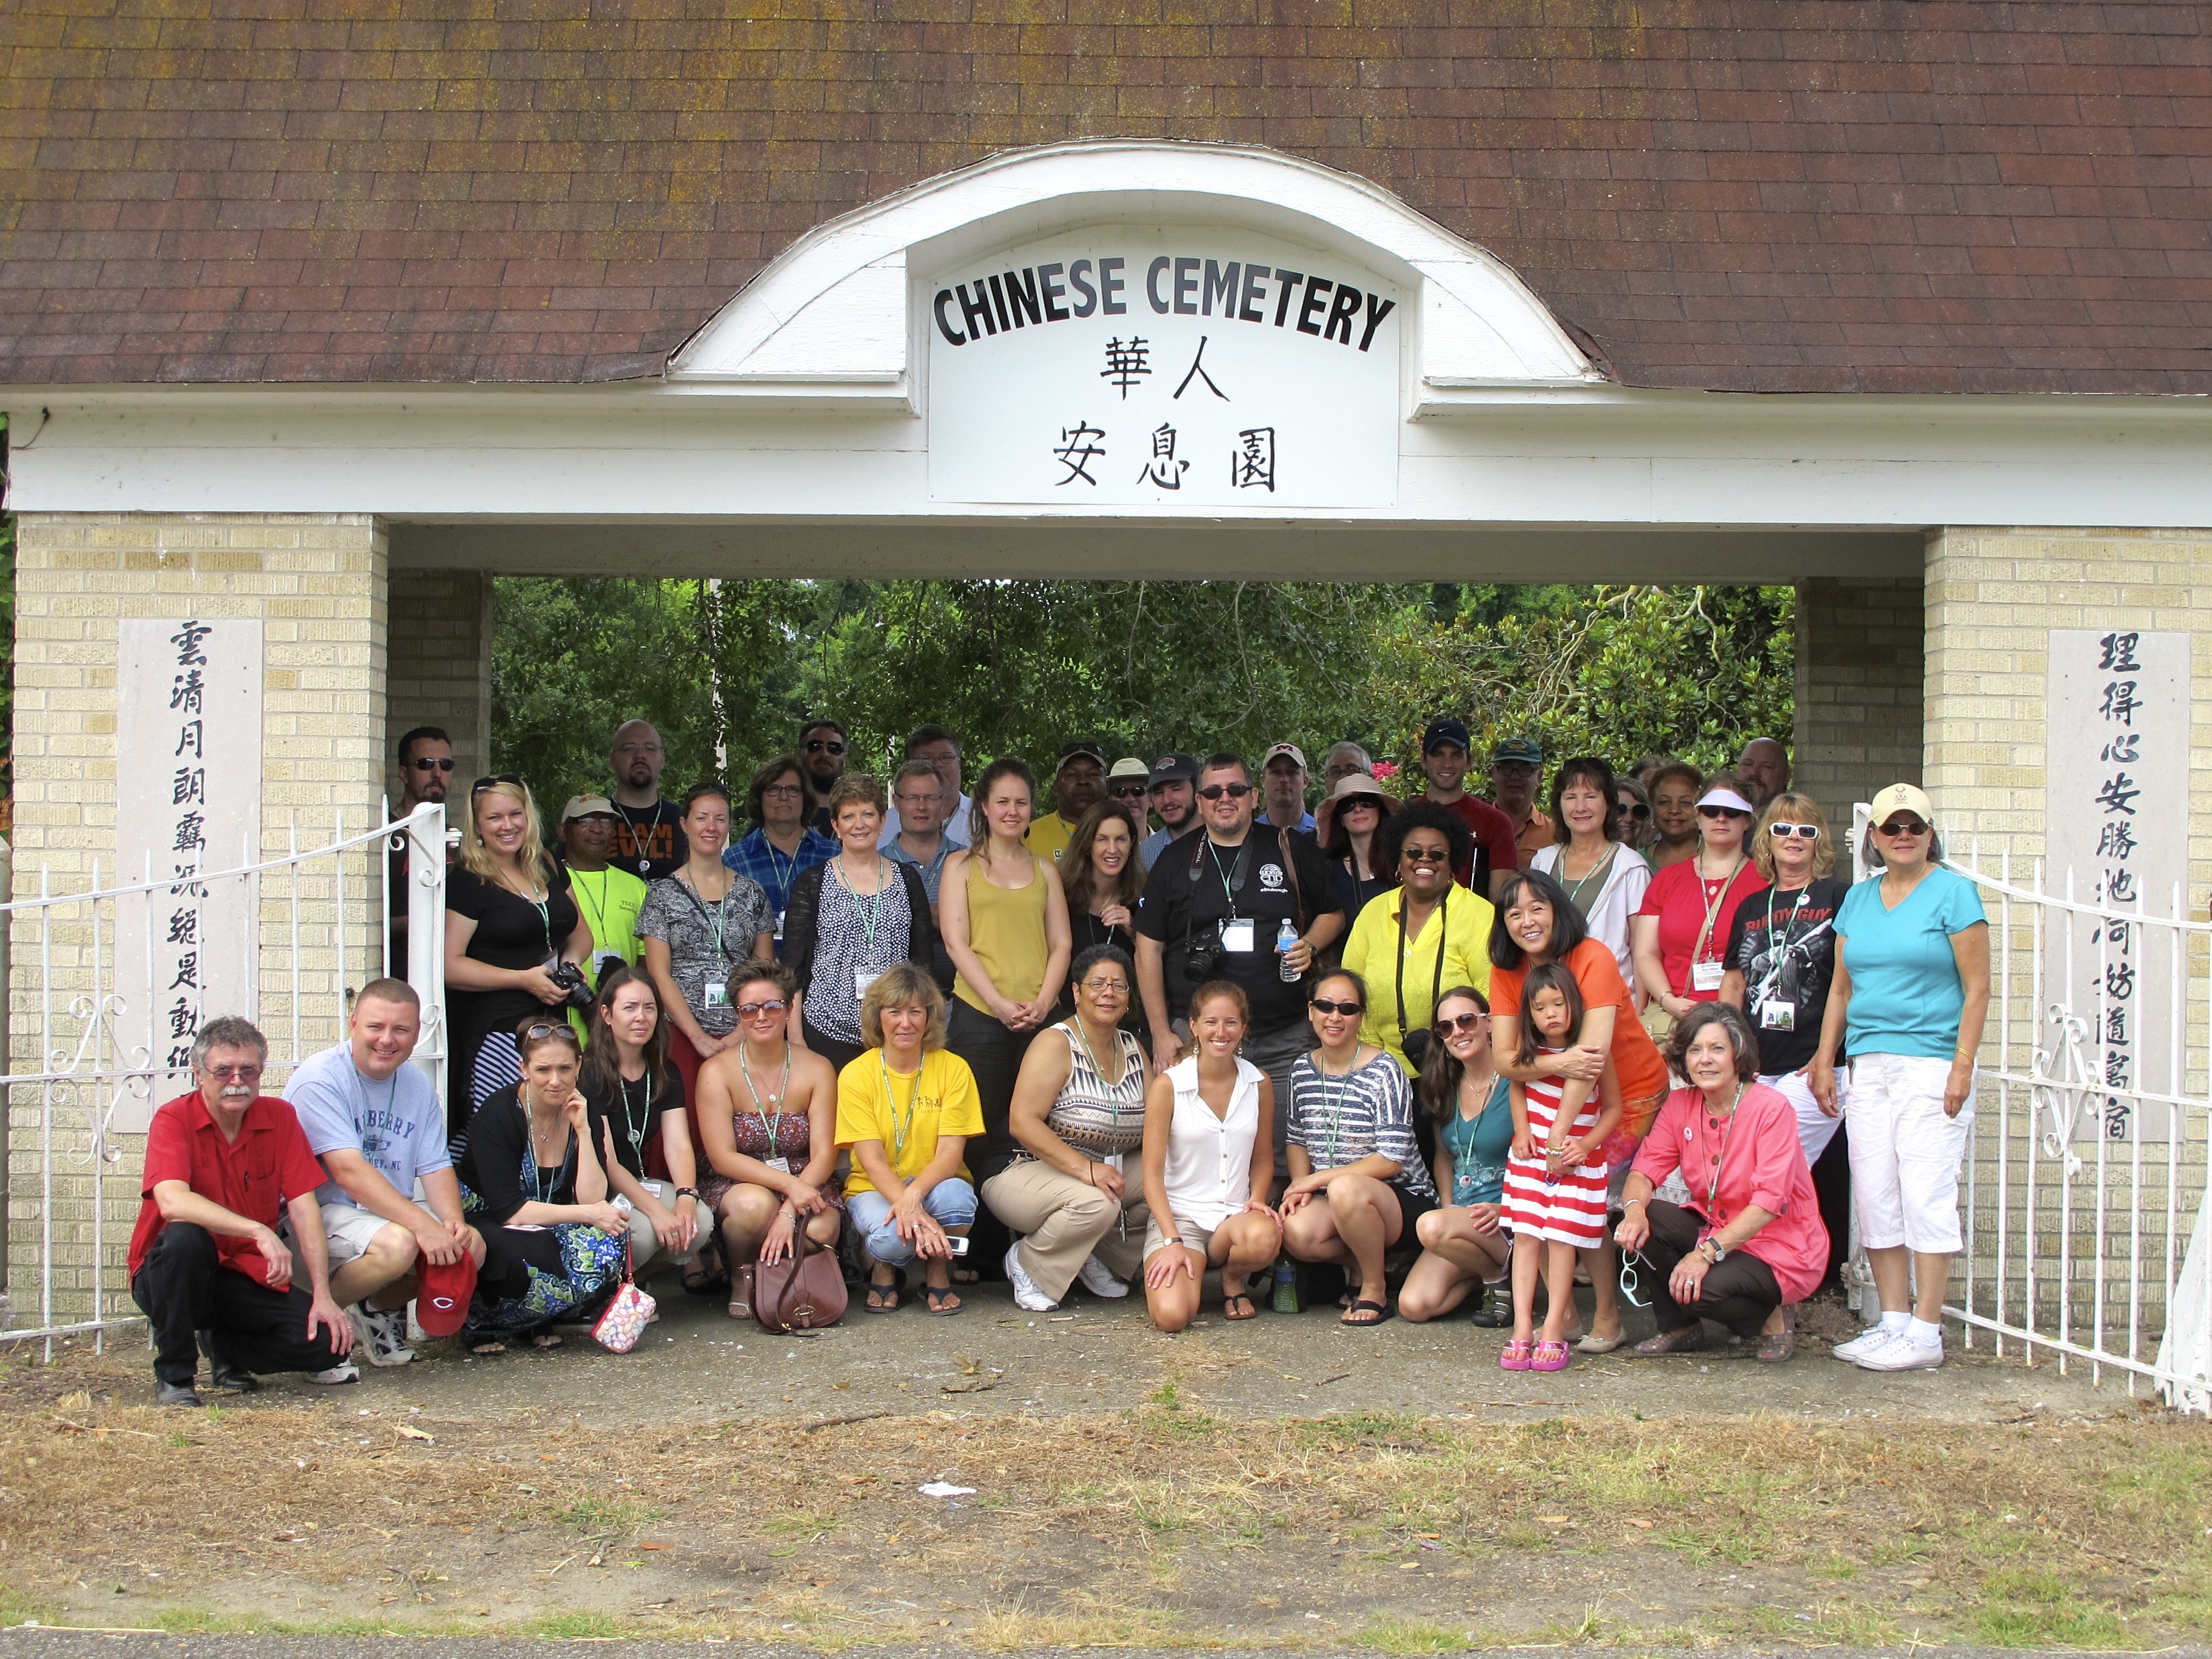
[1005,929]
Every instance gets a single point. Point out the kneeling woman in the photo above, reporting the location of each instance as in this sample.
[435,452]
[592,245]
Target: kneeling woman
[1209,1161]
[1078,1109]
[908,1109]
[1463,1248]
[1750,1239]
[532,1183]
[1358,1184]
[768,1119]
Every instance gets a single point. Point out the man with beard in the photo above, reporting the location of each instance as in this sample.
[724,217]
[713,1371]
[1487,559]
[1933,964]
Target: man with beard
[649,840]
[823,745]
[1174,796]
[425,772]
[224,1166]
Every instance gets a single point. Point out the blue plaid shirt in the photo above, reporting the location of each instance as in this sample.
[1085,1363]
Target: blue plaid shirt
[752,855]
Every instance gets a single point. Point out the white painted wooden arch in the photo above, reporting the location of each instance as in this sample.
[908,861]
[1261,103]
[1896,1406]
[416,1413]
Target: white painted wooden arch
[831,317]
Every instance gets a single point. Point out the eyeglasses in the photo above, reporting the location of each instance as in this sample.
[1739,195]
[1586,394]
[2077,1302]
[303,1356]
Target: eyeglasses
[1800,831]
[755,1010]
[1215,791]
[232,1073]
[1322,1005]
[1426,855]
[1635,808]
[1633,1266]
[1099,987]
[1904,827]
[783,790]
[824,745]
[429,764]
[1721,813]
[492,781]
[1463,1023]
[1128,792]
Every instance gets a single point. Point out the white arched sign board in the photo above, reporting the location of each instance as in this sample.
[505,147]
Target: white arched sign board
[1165,367]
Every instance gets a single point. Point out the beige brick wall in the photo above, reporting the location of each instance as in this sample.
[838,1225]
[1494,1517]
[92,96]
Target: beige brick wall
[441,665]
[1860,645]
[316,582]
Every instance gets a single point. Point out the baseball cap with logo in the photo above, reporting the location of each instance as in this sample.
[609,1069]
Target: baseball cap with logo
[587,806]
[1282,748]
[1901,798]
[442,1294]
[1526,750]
[1444,731]
[1080,750]
[1177,767]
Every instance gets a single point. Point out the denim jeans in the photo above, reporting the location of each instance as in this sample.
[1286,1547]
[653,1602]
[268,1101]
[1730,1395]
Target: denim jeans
[950,1204]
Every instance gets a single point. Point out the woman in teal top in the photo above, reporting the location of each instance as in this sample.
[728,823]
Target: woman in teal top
[1911,992]
[1463,1250]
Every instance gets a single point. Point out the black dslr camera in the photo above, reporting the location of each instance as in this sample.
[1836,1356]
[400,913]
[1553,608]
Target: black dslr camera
[1200,961]
[570,978]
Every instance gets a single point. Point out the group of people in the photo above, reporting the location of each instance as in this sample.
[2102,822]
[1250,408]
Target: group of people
[1181,1018]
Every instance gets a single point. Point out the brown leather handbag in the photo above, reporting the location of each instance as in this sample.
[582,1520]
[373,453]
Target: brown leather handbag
[805,1292]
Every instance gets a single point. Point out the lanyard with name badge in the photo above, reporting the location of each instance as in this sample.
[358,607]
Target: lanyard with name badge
[1237,933]
[775,1160]
[713,994]
[1706,976]
[870,909]
[1774,1013]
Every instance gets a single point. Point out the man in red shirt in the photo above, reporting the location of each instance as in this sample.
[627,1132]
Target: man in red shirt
[1444,758]
[223,1167]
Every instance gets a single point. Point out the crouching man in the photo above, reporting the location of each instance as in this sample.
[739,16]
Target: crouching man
[223,1167]
[376,1123]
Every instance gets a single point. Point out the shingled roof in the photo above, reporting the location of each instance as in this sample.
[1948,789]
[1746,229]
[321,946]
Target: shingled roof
[1818,197]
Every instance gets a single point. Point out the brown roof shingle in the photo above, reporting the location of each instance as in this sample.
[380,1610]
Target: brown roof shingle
[1817,196]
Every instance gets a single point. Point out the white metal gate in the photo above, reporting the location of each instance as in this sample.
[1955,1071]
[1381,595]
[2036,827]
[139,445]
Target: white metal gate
[78,1055]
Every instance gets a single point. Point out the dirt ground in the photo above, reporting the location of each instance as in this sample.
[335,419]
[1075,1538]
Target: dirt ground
[1282,1482]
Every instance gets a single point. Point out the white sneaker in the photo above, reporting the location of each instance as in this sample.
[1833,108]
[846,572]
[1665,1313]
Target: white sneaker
[344,1372]
[1902,1353]
[1094,1278]
[1876,1336]
[381,1336]
[1027,1297]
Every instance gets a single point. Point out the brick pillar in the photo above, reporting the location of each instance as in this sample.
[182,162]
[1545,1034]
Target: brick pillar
[441,665]
[316,583]
[1860,645]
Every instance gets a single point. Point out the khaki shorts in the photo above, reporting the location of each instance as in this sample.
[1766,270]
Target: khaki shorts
[347,1229]
[1197,1237]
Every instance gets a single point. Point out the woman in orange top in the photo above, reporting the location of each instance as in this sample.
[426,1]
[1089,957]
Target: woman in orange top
[1538,923]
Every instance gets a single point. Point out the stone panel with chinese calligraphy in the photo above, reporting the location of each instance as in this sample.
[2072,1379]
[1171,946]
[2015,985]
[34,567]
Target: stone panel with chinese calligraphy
[2118,818]
[1174,368]
[188,804]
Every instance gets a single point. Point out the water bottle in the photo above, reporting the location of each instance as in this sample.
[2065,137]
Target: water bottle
[1285,1298]
[1286,938]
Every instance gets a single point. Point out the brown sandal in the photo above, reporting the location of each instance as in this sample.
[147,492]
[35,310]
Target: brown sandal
[1687,1340]
[1775,1350]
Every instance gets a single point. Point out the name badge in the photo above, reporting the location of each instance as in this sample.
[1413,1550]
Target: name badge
[717,996]
[605,963]
[1236,935]
[779,924]
[1775,1016]
[863,978]
[781,1166]
[1706,976]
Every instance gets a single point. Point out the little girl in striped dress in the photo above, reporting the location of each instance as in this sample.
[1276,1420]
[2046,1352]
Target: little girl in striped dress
[1555,1176]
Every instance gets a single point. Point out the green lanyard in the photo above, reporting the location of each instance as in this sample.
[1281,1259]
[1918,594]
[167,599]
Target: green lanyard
[783,1086]
[633,1132]
[597,913]
[871,909]
[1332,1099]
[891,1104]
[712,918]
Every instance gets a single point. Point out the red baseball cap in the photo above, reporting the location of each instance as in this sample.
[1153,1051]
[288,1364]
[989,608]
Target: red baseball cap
[442,1296]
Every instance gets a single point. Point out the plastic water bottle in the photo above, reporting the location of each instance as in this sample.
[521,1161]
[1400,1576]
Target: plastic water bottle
[1285,1298]
[1285,939]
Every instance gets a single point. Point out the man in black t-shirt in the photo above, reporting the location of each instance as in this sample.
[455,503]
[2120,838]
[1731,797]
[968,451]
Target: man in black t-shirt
[649,842]
[1226,893]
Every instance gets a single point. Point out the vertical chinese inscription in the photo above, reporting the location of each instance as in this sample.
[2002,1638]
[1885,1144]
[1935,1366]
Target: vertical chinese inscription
[188,796]
[2117,813]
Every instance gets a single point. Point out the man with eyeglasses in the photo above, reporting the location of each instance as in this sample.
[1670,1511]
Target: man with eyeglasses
[823,745]
[1517,767]
[225,1166]
[649,840]
[1078,783]
[1214,907]
[1172,791]
[937,745]
[425,772]
[1444,759]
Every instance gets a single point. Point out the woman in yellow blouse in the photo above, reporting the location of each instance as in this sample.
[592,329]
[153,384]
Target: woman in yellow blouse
[1424,934]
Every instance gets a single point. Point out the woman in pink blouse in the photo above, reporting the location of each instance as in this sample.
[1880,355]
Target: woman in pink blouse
[1750,1241]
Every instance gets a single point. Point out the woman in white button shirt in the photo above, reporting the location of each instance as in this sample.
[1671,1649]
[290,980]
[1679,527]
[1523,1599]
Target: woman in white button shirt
[1209,1162]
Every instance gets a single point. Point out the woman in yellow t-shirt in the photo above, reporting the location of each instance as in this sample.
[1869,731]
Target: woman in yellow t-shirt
[907,1109]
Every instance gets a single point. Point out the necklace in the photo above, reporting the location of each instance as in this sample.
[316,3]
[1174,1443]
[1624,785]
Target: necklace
[783,1085]
[1098,1071]
[1332,1099]
[633,1129]
[538,1184]
[1600,869]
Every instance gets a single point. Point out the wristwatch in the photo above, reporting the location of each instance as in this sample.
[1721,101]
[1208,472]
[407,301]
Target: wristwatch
[1712,1250]
[691,1193]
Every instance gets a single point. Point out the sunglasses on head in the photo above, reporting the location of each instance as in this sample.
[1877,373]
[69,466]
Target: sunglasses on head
[824,746]
[1215,791]
[1802,831]
[1904,827]
[537,1032]
[1347,1009]
[492,781]
[1722,812]
[432,763]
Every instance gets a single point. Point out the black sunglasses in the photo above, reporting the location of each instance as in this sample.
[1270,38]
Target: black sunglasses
[492,781]
[823,745]
[1637,810]
[1215,791]
[1722,812]
[1904,827]
[1128,792]
[429,764]
[1426,855]
[1325,1006]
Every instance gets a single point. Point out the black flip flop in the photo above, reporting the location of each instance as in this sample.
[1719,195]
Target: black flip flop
[1245,1296]
[1382,1315]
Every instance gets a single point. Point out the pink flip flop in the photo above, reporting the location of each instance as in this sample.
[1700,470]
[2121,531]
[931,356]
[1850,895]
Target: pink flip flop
[1550,1357]
[1514,1357]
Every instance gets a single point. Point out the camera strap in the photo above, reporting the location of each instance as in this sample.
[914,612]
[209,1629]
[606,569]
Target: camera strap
[1436,990]
[1231,885]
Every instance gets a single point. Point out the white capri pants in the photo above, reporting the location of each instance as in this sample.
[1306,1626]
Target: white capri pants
[1815,1128]
[1905,1153]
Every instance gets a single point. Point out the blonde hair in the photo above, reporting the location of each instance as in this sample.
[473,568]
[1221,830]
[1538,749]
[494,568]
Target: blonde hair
[901,985]
[1790,807]
[476,856]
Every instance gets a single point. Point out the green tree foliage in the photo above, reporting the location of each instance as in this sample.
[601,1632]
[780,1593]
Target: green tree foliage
[1023,667]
